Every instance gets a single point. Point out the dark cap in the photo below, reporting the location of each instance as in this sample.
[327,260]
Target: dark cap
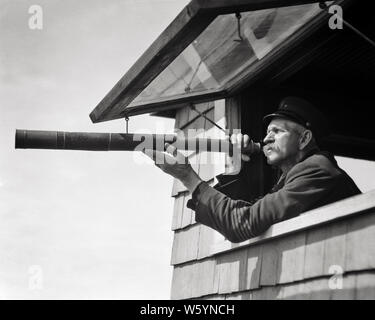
[302,112]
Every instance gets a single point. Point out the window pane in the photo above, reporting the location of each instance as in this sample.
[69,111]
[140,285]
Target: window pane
[361,171]
[218,55]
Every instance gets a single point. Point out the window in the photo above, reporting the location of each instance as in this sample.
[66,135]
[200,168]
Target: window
[360,171]
[210,51]
[219,55]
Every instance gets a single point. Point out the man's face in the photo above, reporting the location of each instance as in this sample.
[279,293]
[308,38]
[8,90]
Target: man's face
[281,142]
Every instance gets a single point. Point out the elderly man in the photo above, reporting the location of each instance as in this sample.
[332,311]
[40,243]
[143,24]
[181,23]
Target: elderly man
[310,178]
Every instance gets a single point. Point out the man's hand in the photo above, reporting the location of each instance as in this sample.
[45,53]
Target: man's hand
[175,164]
[242,142]
[233,163]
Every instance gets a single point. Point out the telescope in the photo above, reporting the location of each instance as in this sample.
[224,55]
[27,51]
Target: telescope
[90,141]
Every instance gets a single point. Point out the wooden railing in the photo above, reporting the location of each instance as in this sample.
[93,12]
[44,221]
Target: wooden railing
[326,214]
[298,258]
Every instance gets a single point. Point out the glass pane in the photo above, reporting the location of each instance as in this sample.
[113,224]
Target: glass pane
[218,55]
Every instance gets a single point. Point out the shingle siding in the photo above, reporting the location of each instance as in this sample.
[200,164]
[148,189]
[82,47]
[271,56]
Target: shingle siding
[284,268]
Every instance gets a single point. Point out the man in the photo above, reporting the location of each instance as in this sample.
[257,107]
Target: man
[310,178]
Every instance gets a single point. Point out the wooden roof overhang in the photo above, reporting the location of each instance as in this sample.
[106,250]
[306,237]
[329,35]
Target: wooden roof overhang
[186,27]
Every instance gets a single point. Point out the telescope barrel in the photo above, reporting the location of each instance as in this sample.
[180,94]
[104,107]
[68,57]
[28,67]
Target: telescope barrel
[35,139]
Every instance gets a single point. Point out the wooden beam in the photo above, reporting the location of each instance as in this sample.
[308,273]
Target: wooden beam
[350,207]
[232,6]
[177,102]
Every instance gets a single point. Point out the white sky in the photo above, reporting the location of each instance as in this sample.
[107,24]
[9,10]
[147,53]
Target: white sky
[96,224]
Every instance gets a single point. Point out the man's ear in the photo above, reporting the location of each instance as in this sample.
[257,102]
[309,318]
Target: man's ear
[305,139]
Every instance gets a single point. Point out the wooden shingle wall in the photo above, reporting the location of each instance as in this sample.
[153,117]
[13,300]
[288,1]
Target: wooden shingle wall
[191,239]
[309,264]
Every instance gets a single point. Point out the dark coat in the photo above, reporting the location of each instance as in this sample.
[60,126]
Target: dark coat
[311,183]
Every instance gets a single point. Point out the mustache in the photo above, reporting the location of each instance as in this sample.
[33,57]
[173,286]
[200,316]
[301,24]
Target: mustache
[268,147]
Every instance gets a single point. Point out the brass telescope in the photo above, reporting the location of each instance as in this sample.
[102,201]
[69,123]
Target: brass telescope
[90,141]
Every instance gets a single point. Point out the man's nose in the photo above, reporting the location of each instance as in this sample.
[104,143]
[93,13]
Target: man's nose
[269,138]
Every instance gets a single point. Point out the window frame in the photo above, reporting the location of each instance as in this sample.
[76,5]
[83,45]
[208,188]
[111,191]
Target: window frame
[186,27]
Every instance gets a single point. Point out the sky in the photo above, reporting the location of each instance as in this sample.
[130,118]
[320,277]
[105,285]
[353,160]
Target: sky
[76,224]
